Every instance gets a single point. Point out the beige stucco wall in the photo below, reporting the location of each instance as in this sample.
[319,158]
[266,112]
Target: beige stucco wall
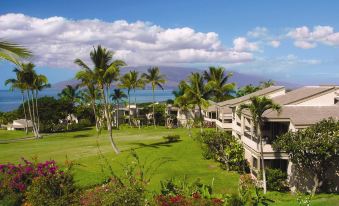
[323,100]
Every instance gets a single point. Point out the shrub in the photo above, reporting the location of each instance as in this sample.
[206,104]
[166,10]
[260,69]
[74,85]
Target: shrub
[172,138]
[224,148]
[129,189]
[181,192]
[16,180]
[57,189]
[276,180]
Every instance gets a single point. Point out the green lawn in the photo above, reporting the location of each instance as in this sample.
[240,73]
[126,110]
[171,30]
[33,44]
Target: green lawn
[13,134]
[180,159]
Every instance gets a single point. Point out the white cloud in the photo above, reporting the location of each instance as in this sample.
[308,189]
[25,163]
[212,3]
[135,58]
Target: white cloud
[241,44]
[258,32]
[306,38]
[57,41]
[274,43]
[304,44]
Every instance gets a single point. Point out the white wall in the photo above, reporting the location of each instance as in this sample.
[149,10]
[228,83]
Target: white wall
[323,100]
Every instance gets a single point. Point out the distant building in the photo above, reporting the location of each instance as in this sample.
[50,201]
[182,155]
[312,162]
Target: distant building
[20,124]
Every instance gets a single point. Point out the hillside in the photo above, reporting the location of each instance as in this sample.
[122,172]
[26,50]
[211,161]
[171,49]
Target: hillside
[175,74]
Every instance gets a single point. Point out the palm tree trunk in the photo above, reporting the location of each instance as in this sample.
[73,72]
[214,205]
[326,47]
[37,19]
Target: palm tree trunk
[109,123]
[201,118]
[117,114]
[262,159]
[23,105]
[34,115]
[129,108]
[95,115]
[188,124]
[37,111]
[153,107]
[30,114]
[136,109]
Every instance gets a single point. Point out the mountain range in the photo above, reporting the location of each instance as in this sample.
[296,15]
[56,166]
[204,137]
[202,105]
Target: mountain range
[175,74]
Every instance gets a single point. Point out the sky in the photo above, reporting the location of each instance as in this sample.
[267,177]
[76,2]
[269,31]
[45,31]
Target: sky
[293,41]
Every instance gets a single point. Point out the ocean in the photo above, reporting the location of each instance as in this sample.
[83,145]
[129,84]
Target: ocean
[10,100]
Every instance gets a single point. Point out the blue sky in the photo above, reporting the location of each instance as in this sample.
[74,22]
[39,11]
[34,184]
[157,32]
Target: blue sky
[294,41]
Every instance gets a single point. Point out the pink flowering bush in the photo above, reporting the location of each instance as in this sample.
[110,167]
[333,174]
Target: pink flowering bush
[16,180]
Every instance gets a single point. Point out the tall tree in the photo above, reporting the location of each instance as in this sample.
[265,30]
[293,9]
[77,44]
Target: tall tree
[217,83]
[12,52]
[40,83]
[257,107]
[116,97]
[195,90]
[88,80]
[105,71]
[156,79]
[126,82]
[185,105]
[19,84]
[70,93]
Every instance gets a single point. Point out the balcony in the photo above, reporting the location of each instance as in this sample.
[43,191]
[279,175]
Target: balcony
[227,126]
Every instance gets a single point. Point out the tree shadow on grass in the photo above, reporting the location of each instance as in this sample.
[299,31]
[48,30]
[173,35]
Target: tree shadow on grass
[155,145]
[81,135]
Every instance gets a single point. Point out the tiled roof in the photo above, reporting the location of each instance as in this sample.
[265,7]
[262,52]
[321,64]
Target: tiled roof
[247,97]
[304,115]
[301,94]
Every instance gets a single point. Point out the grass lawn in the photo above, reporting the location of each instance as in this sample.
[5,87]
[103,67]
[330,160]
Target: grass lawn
[13,134]
[180,159]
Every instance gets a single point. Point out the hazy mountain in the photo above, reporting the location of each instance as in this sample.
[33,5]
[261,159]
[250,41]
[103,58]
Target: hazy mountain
[175,74]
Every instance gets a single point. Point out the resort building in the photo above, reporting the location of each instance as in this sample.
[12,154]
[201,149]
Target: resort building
[300,108]
[20,124]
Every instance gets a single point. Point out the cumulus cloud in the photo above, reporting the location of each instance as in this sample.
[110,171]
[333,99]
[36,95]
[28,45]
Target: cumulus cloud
[307,38]
[274,43]
[57,41]
[258,32]
[241,44]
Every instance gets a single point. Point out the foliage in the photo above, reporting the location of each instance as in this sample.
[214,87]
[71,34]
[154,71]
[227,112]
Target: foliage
[217,84]
[276,180]
[224,148]
[248,89]
[55,190]
[181,192]
[12,52]
[156,79]
[128,189]
[8,117]
[23,181]
[172,138]
[314,149]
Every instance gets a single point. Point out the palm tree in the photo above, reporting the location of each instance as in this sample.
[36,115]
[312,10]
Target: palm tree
[87,79]
[154,78]
[31,82]
[70,94]
[266,84]
[12,52]
[185,105]
[117,96]
[196,91]
[105,71]
[40,83]
[217,83]
[130,81]
[257,107]
[19,84]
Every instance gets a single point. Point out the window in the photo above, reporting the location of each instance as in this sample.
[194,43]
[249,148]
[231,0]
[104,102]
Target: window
[255,162]
[336,100]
